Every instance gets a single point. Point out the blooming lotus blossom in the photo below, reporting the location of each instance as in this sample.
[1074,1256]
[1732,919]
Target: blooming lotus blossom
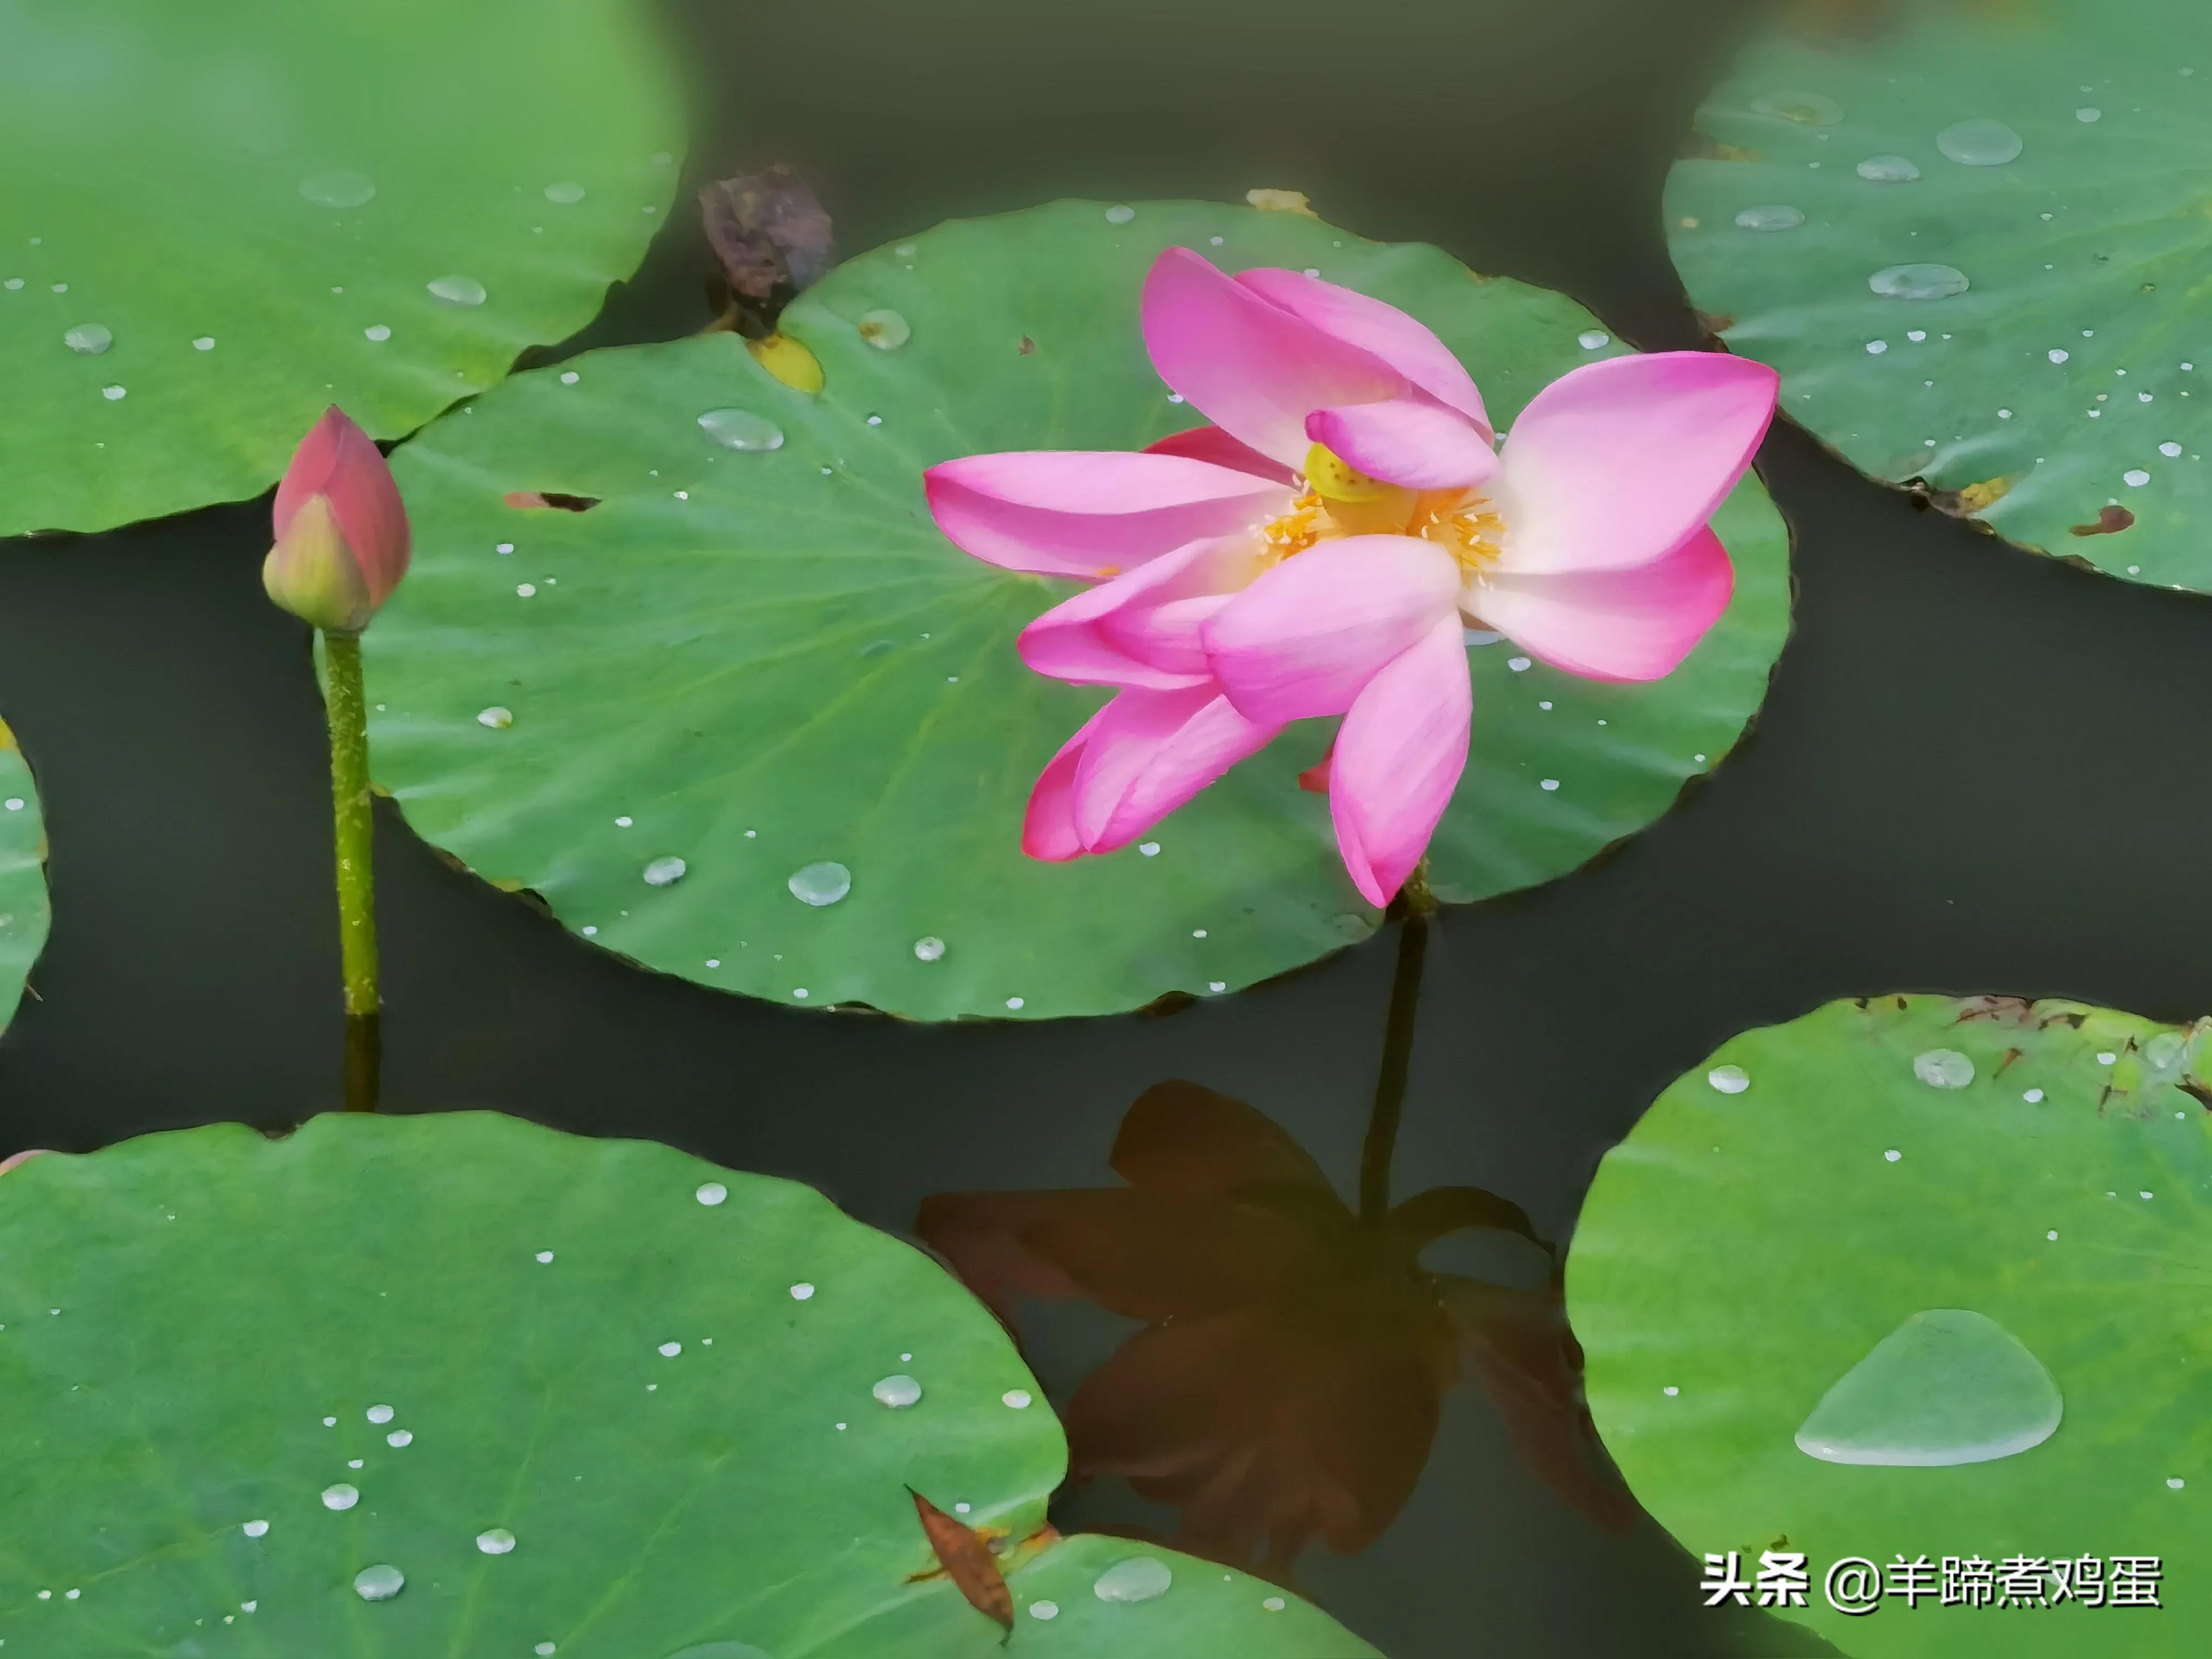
[1321,549]
[342,535]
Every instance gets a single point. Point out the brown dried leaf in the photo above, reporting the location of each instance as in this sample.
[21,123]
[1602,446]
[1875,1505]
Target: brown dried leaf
[2111,520]
[965,1555]
[769,229]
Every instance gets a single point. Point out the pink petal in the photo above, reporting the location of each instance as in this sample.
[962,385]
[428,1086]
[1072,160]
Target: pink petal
[1633,624]
[1150,751]
[1211,443]
[1048,825]
[1617,463]
[1209,743]
[1375,325]
[1409,441]
[1251,368]
[1091,512]
[337,460]
[1142,629]
[1305,638]
[1398,755]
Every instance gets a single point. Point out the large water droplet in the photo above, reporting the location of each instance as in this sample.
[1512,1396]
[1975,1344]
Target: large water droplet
[1979,143]
[498,1540]
[342,188]
[564,191]
[1776,215]
[887,331]
[88,338]
[1918,282]
[1947,1386]
[898,1391]
[380,1413]
[459,290]
[1729,1079]
[1140,1578]
[664,872]
[1889,169]
[1810,109]
[929,948]
[378,1583]
[740,429]
[820,884]
[340,1497]
[1943,1068]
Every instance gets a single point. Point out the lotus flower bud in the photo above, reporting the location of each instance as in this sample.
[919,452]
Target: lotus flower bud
[342,536]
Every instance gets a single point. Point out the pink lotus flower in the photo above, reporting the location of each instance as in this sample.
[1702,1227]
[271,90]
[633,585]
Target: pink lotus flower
[342,535]
[1321,549]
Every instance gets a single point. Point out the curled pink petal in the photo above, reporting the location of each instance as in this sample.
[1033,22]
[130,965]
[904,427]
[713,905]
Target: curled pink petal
[1141,629]
[1148,753]
[25,1155]
[1306,636]
[1408,441]
[1619,462]
[1633,624]
[1049,825]
[1376,325]
[1091,512]
[1398,755]
[1211,443]
[1251,368]
[1205,746]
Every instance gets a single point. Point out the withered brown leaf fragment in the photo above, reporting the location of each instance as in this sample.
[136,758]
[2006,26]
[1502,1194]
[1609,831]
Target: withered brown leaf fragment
[965,1555]
[2111,520]
[769,229]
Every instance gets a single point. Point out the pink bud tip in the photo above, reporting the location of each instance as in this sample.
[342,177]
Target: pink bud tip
[342,537]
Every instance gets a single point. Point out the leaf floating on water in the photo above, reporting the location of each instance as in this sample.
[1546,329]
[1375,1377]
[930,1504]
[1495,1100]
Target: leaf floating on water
[965,1555]
[769,231]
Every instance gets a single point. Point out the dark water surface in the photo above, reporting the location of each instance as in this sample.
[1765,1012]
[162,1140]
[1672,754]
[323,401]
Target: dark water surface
[1979,770]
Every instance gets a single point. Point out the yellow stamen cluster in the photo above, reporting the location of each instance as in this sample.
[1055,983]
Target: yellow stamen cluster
[1341,500]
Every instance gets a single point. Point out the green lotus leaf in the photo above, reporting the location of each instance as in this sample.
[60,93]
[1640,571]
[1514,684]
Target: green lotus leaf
[755,656]
[463,1385]
[24,913]
[240,213]
[1917,1275]
[1975,247]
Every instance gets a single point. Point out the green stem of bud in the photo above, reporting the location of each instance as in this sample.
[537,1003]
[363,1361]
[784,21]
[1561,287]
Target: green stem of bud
[356,877]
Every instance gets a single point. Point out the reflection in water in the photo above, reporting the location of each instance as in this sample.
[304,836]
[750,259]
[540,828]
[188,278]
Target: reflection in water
[1288,1381]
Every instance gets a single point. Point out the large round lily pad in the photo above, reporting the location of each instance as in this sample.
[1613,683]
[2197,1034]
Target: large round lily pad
[756,661]
[1975,248]
[1839,1284]
[23,909]
[223,217]
[590,1398]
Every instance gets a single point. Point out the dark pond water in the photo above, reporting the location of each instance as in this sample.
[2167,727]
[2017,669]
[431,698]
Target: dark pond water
[1979,770]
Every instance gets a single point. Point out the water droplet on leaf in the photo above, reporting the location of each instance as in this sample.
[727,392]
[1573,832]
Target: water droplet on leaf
[566,192]
[1140,1578]
[664,872]
[899,1392]
[742,430]
[1943,1068]
[341,188]
[340,1497]
[378,1583]
[1888,170]
[89,339]
[1729,1079]
[1918,282]
[887,331]
[1947,1386]
[821,883]
[1778,215]
[497,1541]
[929,948]
[1979,143]
[459,290]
